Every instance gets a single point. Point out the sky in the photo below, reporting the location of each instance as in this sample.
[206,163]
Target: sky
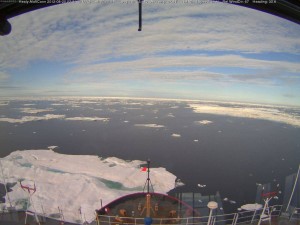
[188,50]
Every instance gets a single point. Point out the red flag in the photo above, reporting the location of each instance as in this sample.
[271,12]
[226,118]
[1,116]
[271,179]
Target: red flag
[144,169]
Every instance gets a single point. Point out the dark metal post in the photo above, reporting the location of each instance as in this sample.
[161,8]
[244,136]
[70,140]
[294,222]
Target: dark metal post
[148,178]
[140,15]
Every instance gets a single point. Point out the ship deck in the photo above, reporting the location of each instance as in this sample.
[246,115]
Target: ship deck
[135,205]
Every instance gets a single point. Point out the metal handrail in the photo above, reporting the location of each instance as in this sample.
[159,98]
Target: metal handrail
[241,217]
[232,218]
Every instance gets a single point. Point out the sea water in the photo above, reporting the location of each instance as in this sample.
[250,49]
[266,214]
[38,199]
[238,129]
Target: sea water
[224,153]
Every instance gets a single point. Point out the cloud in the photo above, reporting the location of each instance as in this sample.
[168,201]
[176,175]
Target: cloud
[86,33]
[3,76]
[195,67]
[272,76]
[9,87]
[189,61]
[289,96]
[99,43]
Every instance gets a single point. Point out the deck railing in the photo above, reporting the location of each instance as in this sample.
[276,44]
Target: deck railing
[241,217]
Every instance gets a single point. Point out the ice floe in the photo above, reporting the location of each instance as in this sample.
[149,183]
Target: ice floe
[81,118]
[4,103]
[176,135]
[88,102]
[71,182]
[170,115]
[203,122]
[251,207]
[57,104]
[278,114]
[35,111]
[29,104]
[75,106]
[25,119]
[132,108]
[150,125]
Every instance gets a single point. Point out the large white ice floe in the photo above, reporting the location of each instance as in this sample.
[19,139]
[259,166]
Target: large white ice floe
[73,182]
[279,114]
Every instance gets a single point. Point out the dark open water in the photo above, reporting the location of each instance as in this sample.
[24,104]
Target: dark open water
[231,156]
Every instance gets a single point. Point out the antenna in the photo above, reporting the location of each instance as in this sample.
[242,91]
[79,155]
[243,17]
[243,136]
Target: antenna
[148,181]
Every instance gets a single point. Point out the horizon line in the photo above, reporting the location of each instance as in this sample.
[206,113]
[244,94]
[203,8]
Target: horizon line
[42,97]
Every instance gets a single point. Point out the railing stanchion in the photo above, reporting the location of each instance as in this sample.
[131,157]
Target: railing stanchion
[253,217]
[235,218]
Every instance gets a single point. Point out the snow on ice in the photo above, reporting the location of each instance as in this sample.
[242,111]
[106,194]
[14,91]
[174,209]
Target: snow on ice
[71,182]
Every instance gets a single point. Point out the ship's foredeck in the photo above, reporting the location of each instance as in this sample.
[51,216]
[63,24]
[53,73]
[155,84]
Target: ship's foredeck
[135,205]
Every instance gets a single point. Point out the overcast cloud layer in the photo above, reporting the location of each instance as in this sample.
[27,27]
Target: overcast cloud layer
[202,51]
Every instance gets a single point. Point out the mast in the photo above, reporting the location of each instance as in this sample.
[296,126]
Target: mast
[148,176]
[148,196]
[148,180]
[148,219]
